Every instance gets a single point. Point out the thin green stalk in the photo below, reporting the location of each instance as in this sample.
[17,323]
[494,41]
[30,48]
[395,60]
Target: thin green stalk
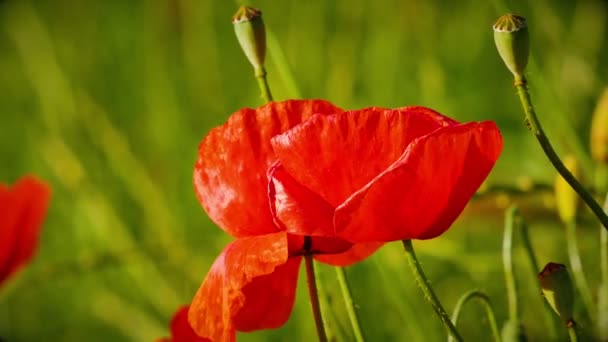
[485,300]
[548,312]
[314,297]
[427,290]
[507,259]
[576,266]
[348,301]
[326,309]
[281,65]
[602,320]
[572,333]
[535,127]
[260,75]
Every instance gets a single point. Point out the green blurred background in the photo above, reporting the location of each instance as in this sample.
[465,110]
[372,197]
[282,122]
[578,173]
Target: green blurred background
[108,100]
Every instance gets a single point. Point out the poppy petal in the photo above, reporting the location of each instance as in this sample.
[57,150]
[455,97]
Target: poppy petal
[230,174]
[421,194]
[356,253]
[296,209]
[22,210]
[250,286]
[336,155]
[181,331]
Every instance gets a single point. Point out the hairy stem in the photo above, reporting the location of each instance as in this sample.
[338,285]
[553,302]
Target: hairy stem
[427,290]
[314,297]
[535,127]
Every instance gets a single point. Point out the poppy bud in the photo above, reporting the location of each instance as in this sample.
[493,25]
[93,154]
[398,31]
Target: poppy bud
[599,130]
[557,289]
[566,198]
[513,43]
[250,32]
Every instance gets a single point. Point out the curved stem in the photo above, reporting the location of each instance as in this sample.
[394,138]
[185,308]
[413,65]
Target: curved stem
[572,330]
[314,297]
[427,290]
[348,301]
[535,127]
[485,300]
[507,259]
[577,267]
[548,313]
[602,321]
[260,75]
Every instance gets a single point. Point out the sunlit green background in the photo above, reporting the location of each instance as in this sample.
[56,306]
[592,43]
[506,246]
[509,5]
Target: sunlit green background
[108,100]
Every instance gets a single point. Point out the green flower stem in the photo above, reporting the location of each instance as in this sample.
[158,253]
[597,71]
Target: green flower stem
[535,127]
[602,321]
[548,313]
[485,300]
[572,333]
[348,301]
[314,297]
[260,75]
[576,266]
[427,290]
[507,259]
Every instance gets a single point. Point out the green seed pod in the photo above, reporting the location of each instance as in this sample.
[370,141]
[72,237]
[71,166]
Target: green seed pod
[251,34]
[557,289]
[599,130]
[566,198]
[513,43]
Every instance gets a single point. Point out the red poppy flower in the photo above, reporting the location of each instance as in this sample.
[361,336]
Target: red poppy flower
[380,175]
[22,209]
[348,181]
[251,285]
[180,328]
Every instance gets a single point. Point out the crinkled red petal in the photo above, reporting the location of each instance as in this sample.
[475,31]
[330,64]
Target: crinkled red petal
[22,210]
[250,286]
[422,193]
[230,174]
[336,155]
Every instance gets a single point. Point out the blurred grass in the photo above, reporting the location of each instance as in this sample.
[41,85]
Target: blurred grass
[109,100]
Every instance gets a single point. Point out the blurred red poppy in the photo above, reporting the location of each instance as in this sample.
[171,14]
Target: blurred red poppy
[341,184]
[180,328]
[22,210]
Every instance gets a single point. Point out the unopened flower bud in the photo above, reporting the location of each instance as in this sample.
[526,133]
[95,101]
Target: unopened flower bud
[599,130]
[557,289]
[566,198]
[513,43]
[250,32]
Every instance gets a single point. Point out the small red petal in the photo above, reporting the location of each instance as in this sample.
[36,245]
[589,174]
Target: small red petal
[181,331]
[22,210]
[270,298]
[296,209]
[250,273]
[356,253]
[230,173]
[336,155]
[421,195]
